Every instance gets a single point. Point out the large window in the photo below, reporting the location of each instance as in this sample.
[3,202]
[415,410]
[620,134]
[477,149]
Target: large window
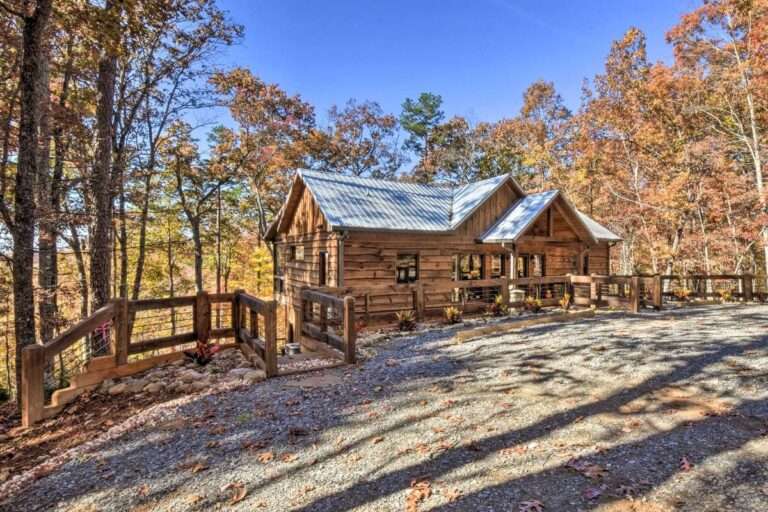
[468,266]
[407,268]
[531,265]
[498,265]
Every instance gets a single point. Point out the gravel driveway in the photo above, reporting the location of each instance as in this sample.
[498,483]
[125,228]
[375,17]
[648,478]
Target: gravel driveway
[651,412]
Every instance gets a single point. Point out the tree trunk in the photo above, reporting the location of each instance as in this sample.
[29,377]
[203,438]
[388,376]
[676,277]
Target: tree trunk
[171,286]
[100,183]
[195,222]
[32,86]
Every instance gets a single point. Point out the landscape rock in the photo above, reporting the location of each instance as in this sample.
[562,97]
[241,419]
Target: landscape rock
[154,387]
[190,376]
[118,389]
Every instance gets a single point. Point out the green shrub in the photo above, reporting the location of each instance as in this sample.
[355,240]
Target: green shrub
[498,307]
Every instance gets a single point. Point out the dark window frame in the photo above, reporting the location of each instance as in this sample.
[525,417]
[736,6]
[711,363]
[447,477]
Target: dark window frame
[475,264]
[406,277]
[322,262]
[525,265]
[502,266]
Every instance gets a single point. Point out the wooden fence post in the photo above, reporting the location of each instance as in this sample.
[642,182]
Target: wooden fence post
[594,291]
[634,294]
[349,329]
[658,298]
[746,286]
[235,314]
[270,339]
[505,290]
[32,393]
[419,304]
[298,320]
[120,344]
[203,317]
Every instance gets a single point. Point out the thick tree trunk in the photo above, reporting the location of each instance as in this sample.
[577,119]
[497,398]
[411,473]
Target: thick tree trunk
[32,88]
[100,183]
[46,237]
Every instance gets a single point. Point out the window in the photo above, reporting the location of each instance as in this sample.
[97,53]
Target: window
[407,268]
[296,253]
[498,265]
[531,265]
[323,279]
[468,266]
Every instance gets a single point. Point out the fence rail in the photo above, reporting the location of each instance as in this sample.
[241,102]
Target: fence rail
[326,323]
[128,336]
[255,327]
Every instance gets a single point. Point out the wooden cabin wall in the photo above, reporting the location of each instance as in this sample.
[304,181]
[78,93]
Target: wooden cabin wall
[488,213]
[561,258]
[599,259]
[307,228]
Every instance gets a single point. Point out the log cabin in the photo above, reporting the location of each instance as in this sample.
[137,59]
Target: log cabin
[397,245]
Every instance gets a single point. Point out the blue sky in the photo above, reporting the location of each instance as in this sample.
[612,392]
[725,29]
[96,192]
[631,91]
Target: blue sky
[479,55]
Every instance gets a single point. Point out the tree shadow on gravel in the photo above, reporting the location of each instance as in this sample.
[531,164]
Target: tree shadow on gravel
[550,482]
[156,454]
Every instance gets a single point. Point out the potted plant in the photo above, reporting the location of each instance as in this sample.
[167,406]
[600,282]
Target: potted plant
[565,301]
[406,320]
[498,307]
[532,304]
[452,314]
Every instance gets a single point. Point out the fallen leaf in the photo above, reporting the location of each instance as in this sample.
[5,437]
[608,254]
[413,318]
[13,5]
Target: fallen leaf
[685,464]
[452,495]
[592,493]
[377,440]
[289,457]
[531,506]
[197,468]
[421,489]
[143,490]
[238,491]
[266,457]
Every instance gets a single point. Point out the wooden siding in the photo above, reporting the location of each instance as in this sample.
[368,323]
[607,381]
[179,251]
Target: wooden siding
[488,213]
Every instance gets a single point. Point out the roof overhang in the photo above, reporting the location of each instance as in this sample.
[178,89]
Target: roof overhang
[552,199]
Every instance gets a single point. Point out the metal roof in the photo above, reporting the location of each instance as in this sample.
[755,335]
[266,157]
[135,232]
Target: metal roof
[363,203]
[599,231]
[519,217]
[350,202]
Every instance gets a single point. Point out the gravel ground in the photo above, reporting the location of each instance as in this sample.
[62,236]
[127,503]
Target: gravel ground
[651,412]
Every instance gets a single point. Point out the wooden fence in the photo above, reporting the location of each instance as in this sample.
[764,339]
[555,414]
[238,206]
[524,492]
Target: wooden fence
[255,323]
[326,323]
[626,292]
[126,337]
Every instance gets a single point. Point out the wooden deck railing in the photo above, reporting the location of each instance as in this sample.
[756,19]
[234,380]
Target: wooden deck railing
[103,333]
[254,322]
[125,337]
[326,323]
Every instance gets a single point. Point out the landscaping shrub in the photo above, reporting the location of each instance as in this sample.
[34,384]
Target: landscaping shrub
[565,301]
[682,294]
[532,304]
[726,295]
[406,320]
[498,307]
[452,315]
